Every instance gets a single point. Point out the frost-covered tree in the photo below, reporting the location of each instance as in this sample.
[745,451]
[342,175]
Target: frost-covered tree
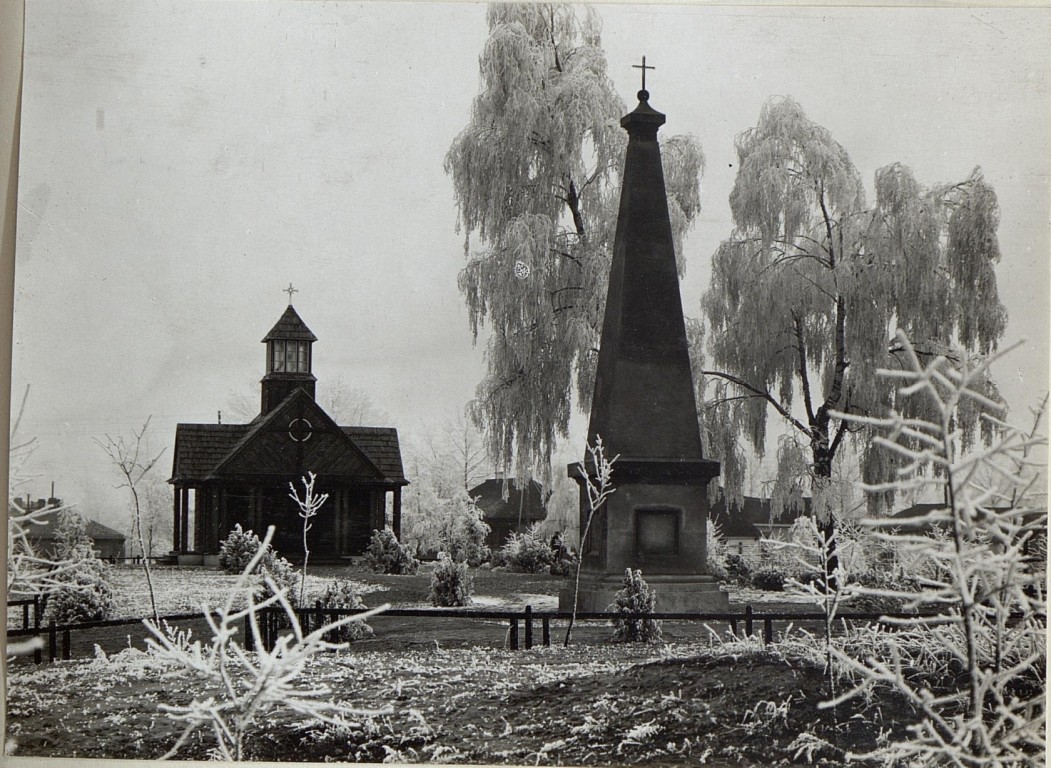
[130,457]
[348,405]
[453,457]
[31,573]
[807,293]
[310,503]
[536,176]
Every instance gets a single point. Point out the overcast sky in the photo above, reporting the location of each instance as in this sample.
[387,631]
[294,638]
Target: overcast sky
[181,163]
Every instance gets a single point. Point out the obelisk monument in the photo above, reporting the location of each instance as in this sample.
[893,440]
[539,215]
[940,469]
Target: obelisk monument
[644,408]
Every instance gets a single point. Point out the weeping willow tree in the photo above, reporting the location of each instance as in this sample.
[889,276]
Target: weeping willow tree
[808,291]
[536,174]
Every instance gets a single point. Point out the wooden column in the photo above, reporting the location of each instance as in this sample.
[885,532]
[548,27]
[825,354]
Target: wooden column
[184,528]
[200,495]
[337,527]
[177,520]
[396,513]
[217,516]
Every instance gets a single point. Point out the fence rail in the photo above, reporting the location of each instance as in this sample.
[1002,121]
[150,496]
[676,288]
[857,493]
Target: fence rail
[26,604]
[273,620]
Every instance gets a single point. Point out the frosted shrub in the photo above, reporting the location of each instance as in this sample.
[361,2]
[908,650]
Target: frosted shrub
[769,579]
[83,593]
[341,595]
[635,597]
[451,583]
[386,554]
[276,573]
[717,551]
[237,550]
[240,548]
[977,674]
[528,552]
[739,568]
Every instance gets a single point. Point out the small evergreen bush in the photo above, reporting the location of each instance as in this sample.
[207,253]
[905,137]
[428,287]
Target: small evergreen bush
[282,574]
[769,580]
[84,595]
[528,552]
[451,583]
[386,554]
[236,552]
[716,551]
[237,549]
[738,569]
[340,595]
[635,597]
[812,579]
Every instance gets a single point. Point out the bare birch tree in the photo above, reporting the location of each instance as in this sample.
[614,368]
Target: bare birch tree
[129,459]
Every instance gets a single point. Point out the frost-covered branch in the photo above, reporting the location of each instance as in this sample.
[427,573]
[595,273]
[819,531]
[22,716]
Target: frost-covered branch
[238,687]
[976,675]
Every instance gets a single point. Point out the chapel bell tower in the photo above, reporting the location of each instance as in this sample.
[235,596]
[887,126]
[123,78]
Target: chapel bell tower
[289,356]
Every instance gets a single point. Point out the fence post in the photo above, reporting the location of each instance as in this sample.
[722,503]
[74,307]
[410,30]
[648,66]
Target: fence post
[733,626]
[67,652]
[25,615]
[249,641]
[748,620]
[36,611]
[546,625]
[52,641]
[529,627]
[768,630]
[513,642]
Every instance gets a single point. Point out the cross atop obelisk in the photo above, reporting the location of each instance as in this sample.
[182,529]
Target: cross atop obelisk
[290,290]
[643,67]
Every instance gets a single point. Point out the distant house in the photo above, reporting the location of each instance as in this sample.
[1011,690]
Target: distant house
[744,527]
[109,544]
[521,508]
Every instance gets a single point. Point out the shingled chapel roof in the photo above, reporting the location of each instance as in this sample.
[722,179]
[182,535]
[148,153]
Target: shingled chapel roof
[202,449]
[290,326]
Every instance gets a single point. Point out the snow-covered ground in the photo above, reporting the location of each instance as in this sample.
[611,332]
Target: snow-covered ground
[184,590]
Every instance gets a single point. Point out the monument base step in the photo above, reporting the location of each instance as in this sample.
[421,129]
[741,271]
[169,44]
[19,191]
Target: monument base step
[675,594]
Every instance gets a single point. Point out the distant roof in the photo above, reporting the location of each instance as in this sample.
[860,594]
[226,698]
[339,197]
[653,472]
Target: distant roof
[290,326]
[910,516]
[753,518]
[489,497]
[49,530]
